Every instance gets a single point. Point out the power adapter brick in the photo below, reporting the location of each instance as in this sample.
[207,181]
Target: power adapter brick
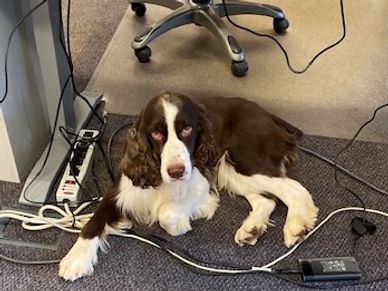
[330,269]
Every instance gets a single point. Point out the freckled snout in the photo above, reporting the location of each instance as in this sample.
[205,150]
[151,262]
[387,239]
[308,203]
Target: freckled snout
[176,171]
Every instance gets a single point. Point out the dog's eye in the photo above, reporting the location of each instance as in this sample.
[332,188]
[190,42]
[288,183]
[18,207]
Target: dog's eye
[186,131]
[157,135]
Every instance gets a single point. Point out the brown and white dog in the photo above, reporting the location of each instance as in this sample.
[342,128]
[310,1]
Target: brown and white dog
[177,152]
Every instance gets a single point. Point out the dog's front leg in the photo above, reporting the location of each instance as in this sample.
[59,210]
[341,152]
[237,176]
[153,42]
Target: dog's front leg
[174,219]
[82,257]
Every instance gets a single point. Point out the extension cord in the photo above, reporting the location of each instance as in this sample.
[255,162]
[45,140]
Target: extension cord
[69,188]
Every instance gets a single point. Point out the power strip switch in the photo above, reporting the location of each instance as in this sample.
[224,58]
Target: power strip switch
[69,190]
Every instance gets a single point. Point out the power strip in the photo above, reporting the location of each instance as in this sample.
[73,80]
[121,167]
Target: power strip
[69,190]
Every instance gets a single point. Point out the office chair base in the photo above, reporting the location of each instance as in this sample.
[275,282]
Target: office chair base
[208,14]
[143,54]
[280,25]
[139,9]
[239,69]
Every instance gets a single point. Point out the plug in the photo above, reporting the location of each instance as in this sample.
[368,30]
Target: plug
[361,226]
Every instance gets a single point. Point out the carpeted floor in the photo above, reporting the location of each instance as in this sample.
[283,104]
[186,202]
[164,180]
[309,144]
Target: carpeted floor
[92,25]
[342,87]
[131,265]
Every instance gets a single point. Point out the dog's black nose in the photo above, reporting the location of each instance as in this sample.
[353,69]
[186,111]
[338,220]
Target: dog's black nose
[176,171]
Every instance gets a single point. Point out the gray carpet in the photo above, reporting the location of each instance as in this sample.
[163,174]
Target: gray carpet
[131,265]
[92,25]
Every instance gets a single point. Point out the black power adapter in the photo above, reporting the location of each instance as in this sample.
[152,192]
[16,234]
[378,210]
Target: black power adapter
[330,269]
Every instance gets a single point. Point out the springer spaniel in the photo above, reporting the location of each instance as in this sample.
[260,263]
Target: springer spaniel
[178,153]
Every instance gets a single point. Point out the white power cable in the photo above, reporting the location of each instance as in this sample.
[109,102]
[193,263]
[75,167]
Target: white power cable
[68,221]
[331,214]
[73,221]
[190,262]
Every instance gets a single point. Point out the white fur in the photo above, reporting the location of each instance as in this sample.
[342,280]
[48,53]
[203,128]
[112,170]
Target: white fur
[80,259]
[174,150]
[302,212]
[172,204]
[257,221]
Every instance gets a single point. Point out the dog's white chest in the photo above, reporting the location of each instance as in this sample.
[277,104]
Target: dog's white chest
[144,204]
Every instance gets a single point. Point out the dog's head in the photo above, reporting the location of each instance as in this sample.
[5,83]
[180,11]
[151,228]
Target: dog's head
[170,137]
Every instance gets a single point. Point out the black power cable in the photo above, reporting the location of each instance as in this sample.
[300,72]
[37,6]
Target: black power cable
[110,142]
[348,145]
[9,44]
[343,170]
[105,158]
[69,56]
[51,142]
[73,166]
[338,168]
[95,178]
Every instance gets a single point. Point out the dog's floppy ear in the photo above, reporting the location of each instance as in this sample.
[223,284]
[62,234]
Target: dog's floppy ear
[140,163]
[206,152]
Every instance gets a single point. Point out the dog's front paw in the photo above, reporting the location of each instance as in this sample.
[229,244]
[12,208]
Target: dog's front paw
[298,224]
[173,221]
[80,259]
[176,227]
[250,231]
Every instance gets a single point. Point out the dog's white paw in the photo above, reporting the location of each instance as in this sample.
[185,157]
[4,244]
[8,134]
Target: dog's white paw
[80,259]
[298,223]
[250,231]
[176,226]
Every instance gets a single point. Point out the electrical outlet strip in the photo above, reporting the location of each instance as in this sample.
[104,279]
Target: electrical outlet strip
[69,190]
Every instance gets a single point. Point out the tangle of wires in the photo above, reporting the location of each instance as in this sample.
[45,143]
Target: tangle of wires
[80,141]
[78,146]
[69,78]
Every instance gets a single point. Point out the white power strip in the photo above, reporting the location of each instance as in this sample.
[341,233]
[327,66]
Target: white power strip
[69,190]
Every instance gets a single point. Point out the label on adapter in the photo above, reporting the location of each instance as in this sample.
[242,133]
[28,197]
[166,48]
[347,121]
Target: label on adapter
[335,265]
[322,269]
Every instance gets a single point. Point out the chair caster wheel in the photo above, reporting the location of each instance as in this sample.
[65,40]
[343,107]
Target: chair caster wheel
[139,9]
[143,54]
[239,69]
[280,25]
